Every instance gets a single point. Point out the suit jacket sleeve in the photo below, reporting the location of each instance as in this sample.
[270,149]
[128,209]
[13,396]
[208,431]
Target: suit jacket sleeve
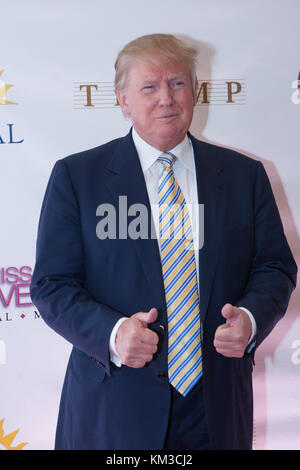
[272,276]
[58,287]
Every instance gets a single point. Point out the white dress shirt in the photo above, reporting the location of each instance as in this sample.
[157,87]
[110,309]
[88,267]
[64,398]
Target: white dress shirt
[185,175]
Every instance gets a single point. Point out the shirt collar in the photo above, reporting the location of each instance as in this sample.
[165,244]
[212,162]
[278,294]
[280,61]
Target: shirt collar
[148,154]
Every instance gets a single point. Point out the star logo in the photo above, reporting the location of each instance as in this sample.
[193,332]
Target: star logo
[6,441]
[3,90]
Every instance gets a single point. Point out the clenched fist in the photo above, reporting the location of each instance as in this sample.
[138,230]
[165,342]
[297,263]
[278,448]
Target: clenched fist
[231,338]
[135,343]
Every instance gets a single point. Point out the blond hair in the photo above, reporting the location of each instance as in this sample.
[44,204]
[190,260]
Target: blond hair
[155,47]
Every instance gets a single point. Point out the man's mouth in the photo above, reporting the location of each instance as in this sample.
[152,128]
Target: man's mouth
[167,116]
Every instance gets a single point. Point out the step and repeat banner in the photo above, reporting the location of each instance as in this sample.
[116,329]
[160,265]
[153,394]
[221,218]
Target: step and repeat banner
[57,98]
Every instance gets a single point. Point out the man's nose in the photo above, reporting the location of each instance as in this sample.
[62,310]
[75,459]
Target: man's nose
[165,96]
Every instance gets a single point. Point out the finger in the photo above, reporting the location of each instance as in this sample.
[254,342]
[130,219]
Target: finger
[223,332]
[137,350]
[149,337]
[147,348]
[138,361]
[227,309]
[225,344]
[146,317]
[230,350]
[230,335]
[134,364]
[230,313]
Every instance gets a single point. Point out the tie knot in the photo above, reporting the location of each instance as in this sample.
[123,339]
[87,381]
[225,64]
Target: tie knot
[167,159]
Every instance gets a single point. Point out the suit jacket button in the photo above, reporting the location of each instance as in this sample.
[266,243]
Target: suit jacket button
[162,327]
[161,376]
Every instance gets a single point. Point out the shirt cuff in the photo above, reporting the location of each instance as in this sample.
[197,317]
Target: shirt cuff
[253,323]
[112,343]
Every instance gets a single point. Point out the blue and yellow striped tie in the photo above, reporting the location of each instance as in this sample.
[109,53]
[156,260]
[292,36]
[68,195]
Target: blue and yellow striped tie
[180,282]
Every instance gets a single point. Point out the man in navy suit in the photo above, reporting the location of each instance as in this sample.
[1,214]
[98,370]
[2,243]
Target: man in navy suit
[103,290]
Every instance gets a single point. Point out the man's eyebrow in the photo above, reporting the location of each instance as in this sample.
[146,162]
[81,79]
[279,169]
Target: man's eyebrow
[178,75]
[149,79]
[172,76]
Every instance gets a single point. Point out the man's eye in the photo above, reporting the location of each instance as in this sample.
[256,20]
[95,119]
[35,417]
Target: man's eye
[148,88]
[178,84]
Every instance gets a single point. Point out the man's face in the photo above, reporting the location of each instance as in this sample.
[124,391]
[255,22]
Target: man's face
[160,101]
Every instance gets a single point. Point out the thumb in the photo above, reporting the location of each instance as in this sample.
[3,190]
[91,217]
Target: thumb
[229,312]
[147,317]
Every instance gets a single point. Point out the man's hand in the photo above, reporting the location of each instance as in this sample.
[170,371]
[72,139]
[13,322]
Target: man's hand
[232,337]
[135,343]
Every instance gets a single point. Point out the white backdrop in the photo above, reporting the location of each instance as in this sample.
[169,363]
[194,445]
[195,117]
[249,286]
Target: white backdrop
[49,49]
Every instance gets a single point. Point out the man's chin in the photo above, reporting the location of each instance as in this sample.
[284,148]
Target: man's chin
[167,141]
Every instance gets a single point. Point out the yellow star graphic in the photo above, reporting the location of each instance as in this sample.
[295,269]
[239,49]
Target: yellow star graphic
[3,89]
[7,440]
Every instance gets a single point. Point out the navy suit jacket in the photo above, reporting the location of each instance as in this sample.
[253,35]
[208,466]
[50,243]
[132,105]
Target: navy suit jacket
[82,285]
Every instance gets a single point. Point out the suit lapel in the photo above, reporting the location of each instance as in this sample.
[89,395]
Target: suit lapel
[127,179]
[212,193]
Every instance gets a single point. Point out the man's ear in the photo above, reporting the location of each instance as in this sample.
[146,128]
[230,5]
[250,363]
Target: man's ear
[122,100]
[195,95]
[195,99]
[195,91]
